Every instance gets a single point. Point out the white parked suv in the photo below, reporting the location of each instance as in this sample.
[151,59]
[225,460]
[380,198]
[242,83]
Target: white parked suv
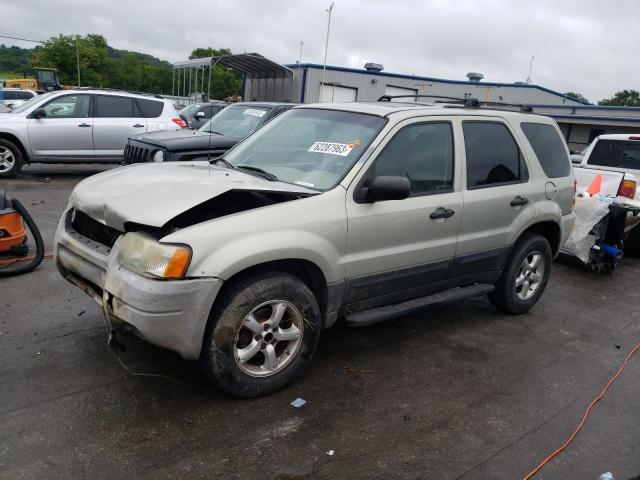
[79,126]
[358,210]
[14,97]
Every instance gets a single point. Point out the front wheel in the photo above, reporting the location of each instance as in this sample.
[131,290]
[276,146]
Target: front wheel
[10,159]
[261,334]
[525,275]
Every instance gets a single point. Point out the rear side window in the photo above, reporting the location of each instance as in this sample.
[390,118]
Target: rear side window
[616,153]
[549,148]
[114,107]
[423,153]
[150,108]
[23,95]
[10,95]
[493,156]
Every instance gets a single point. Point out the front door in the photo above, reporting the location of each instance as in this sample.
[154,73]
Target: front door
[398,249]
[66,132]
[115,119]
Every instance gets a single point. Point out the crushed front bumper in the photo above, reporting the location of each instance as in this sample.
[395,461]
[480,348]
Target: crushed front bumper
[169,313]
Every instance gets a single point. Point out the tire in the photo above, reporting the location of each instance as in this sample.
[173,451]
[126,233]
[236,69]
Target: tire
[231,334]
[510,295]
[10,159]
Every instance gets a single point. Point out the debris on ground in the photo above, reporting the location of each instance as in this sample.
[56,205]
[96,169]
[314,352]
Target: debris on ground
[330,453]
[298,402]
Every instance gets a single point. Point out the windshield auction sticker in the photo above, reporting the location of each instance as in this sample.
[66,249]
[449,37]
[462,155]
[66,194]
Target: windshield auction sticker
[342,149]
[254,112]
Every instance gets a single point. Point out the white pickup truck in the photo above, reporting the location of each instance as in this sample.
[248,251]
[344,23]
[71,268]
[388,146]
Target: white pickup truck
[617,158]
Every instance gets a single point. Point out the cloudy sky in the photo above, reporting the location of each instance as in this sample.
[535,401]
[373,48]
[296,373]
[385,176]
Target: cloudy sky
[586,46]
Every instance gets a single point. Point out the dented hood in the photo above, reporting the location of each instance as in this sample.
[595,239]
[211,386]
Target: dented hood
[153,194]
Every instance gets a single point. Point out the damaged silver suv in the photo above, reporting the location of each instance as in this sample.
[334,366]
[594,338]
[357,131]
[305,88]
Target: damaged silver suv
[356,211]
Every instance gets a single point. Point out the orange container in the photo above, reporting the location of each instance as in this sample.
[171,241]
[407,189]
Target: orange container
[12,232]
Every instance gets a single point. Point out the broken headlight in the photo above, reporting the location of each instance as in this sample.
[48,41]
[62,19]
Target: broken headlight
[158,156]
[146,256]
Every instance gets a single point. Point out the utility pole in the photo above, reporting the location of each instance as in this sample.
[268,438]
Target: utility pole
[530,68]
[78,59]
[300,57]
[326,48]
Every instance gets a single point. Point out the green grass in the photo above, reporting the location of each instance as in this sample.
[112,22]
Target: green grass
[9,75]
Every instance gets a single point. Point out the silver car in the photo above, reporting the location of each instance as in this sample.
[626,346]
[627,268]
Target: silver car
[355,211]
[83,125]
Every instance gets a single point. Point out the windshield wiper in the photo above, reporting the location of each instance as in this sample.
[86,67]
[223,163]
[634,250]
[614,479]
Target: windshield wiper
[263,173]
[223,161]
[214,132]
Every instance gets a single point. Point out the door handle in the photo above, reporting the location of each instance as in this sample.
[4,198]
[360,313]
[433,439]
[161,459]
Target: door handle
[519,201]
[84,125]
[441,212]
[138,125]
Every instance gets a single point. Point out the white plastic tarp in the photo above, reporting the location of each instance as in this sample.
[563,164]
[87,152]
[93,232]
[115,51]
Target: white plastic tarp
[589,211]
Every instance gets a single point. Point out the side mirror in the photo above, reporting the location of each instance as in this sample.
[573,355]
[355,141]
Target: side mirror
[199,114]
[39,113]
[386,188]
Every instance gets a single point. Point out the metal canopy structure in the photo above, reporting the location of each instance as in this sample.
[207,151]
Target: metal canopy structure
[190,77]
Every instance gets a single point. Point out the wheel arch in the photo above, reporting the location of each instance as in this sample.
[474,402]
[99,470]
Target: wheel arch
[549,230]
[14,139]
[308,272]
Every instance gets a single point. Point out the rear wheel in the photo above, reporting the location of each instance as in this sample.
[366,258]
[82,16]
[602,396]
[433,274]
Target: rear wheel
[10,159]
[525,276]
[261,334]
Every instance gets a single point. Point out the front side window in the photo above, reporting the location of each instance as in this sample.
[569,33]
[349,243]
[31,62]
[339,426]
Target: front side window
[549,148]
[32,101]
[493,156]
[423,153]
[68,106]
[311,147]
[114,107]
[616,153]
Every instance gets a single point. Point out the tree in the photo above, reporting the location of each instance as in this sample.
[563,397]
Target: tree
[578,97]
[626,98]
[61,52]
[224,81]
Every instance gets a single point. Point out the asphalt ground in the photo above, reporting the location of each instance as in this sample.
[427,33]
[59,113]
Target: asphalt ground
[456,392]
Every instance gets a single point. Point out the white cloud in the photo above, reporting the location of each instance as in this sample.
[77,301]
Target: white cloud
[580,45]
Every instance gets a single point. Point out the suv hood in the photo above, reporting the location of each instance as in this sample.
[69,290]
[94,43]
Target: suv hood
[177,140]
[153,194]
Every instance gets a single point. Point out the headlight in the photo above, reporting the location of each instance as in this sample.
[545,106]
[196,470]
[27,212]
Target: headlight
[147,256]
[158,156]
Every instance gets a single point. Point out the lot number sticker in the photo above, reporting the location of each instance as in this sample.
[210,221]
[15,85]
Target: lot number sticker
[254,112]
[342,149]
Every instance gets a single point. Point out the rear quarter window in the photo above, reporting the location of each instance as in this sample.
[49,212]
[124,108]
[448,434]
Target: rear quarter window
[549,147]
[150,108]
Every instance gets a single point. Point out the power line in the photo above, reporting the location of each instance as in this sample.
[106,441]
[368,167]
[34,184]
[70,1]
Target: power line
[23,39]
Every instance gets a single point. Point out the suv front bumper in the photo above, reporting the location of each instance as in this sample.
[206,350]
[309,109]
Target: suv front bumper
[169,313]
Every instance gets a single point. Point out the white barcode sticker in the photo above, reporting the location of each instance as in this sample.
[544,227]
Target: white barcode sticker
[254,112]
[342,149]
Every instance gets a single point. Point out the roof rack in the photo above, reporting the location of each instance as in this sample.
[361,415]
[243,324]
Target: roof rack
[134,92]
[465,102]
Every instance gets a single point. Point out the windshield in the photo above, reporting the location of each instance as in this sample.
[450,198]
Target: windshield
[29,103]
[310,147]
[236,121]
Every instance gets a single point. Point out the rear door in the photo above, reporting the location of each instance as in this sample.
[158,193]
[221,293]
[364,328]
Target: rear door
[115,119]
[396,249]
[66,132]
[498,196]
